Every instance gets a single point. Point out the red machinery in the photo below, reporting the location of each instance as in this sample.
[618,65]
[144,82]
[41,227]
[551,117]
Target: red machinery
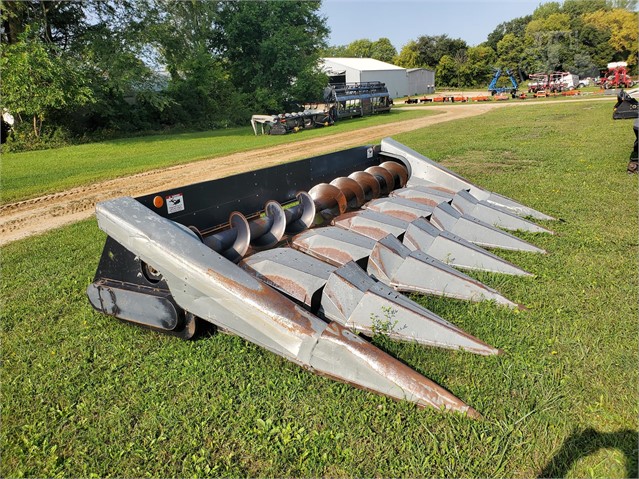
[539,82]
[616,76]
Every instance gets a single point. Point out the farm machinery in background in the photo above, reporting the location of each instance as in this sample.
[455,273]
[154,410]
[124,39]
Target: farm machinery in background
[556,82]
[615,76]
[291,122]
[345,100]
[308,259]
[495,90]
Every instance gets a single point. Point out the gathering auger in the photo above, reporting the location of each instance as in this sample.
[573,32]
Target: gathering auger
[300,258]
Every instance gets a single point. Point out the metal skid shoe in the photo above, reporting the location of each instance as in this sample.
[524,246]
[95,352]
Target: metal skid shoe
[216,253]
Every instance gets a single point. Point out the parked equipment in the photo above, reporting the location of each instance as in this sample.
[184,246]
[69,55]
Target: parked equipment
[291,122]
[343,100]
[276,257]
[495,90]
[615,76]
[357,99]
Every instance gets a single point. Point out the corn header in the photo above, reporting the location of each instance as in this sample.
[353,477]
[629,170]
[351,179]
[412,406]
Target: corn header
[307,259]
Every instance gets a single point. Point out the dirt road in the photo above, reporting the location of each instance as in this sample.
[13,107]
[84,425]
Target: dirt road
[25,218]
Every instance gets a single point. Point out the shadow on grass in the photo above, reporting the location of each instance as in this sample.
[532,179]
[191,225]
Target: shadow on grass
[583,443]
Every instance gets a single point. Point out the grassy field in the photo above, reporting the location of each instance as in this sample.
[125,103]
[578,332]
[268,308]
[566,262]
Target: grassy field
[34,173]
[84,395]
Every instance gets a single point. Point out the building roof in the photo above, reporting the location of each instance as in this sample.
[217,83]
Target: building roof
[362,64]
[409,70]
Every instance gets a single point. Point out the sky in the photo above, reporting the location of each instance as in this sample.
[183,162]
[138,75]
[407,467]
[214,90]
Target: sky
[405,20]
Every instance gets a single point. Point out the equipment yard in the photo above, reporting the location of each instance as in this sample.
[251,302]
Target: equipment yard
[38,214]
[554,381]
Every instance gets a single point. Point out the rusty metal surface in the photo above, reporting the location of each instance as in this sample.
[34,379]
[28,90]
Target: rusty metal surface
[421,235]
[289,302]
[365,366]
[493,214]
[466,203]
[328,199]
[453,250]
[400,208]
[213,288]
[233,242]
[372,224]
[368,183]
[392,263]
[352,190]
[296,274]
[358,302]
[267,230]
[334,245]
[384,177]
[424,195]
[301,216]
[350,297]
[399,172]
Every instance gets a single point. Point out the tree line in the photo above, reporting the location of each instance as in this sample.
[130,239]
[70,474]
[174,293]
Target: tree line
[103,68]
[108,67]
[580,36]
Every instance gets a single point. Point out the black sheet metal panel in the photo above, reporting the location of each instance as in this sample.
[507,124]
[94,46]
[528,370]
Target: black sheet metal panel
[208,204]
[124,288]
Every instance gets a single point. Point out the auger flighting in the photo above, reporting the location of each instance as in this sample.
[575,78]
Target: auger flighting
[297,257]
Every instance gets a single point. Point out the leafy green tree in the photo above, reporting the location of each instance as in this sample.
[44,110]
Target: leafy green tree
[544,10]
[516,26]
[265,46]
[53,21]
[334,51]
[432,48]
[38,79]
[478,67]
[510,50]
[362,48]
[383,50]
[622,26]
[409,56]
[448,71]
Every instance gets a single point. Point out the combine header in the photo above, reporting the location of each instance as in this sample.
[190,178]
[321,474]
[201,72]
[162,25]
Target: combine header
[345,100]
[299,258]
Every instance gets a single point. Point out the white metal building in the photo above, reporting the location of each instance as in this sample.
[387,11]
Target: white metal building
[359,70]
[420,80]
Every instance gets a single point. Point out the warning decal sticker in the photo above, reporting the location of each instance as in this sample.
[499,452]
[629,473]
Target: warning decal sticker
[175,203]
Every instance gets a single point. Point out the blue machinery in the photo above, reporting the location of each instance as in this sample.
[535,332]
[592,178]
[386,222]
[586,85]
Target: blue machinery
[495,90]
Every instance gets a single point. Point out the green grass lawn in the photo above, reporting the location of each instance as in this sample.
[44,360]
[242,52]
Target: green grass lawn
[34,173]
[85,395]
